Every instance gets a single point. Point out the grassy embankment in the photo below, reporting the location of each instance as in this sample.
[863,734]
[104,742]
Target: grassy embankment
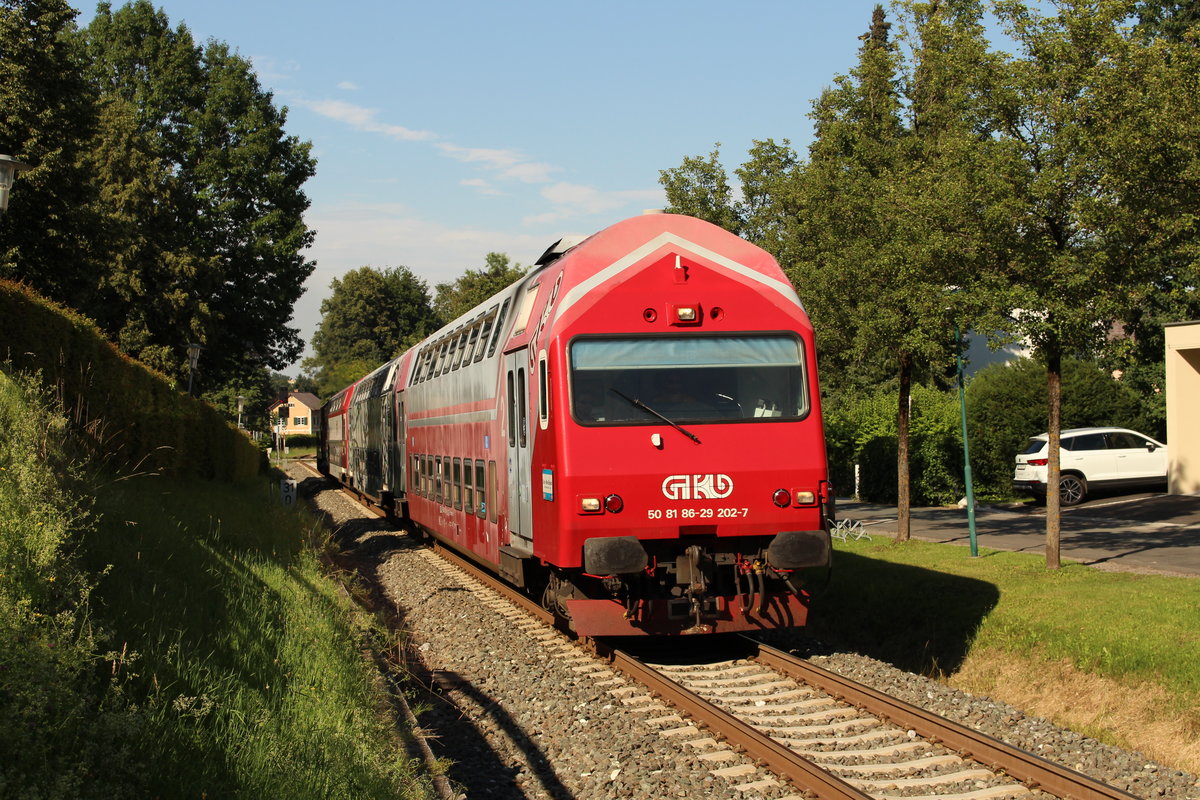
[1112,655]
[168,634]
[173,638]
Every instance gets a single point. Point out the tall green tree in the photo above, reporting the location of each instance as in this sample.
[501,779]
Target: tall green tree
[1100,128]
[1171,19]
[699,187]
[47,115]
[226,255]
[459,296]
[893,198]
[371,316]
[771,199]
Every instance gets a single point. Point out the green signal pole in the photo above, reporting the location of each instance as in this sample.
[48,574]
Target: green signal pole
[962,407]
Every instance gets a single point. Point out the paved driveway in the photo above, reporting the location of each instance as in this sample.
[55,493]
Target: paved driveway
[1138,533]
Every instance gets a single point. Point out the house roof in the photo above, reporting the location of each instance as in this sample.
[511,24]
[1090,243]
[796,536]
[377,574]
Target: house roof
[307,399]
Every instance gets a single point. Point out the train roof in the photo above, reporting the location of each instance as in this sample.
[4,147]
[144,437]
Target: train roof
[588,262]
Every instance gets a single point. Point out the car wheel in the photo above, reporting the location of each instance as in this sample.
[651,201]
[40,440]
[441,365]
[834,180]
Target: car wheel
[1071,489]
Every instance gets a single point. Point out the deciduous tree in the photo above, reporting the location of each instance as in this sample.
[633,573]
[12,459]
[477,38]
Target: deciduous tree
[474,286]
[699,187]
[47,115]
[1101,131]
[370,316]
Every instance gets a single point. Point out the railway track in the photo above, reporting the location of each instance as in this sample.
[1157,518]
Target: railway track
[829,736]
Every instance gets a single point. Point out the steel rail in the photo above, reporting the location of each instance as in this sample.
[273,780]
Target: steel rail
[523,601]
[1034,771]
[777,758]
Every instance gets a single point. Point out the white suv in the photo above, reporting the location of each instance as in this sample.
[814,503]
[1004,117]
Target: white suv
[1092,457]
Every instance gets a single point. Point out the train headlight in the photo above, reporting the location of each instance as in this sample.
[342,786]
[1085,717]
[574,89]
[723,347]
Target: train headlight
[686,314]
[782,498]
[613,503]
[589,505]
[804,498]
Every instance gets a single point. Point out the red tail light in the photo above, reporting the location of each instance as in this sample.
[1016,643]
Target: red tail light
[782,498]
[1038,462]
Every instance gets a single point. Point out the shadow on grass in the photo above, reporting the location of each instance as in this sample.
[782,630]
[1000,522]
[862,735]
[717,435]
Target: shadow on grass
[916,619]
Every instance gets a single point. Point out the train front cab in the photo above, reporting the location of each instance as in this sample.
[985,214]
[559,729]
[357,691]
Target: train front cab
[677,465]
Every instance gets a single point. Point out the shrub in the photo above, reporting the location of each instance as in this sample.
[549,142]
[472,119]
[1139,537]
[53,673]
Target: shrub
[862,430]
[302,440]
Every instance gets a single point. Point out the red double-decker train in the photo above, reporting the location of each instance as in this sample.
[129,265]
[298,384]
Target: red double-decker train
[632,432]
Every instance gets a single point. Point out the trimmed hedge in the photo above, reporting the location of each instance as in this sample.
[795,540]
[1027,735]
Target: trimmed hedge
[862,430]
[128,415]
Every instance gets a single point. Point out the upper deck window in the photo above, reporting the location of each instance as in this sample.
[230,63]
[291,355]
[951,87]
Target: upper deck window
[692,379]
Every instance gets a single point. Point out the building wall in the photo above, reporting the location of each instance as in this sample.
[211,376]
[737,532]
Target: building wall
[1183,407]
[296,411]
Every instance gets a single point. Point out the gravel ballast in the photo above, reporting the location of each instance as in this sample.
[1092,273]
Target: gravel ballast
[524,713]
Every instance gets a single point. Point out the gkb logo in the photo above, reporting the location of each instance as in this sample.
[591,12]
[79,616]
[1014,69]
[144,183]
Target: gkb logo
[697,487]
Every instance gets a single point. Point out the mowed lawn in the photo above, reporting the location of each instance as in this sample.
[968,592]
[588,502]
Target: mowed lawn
[1114,655]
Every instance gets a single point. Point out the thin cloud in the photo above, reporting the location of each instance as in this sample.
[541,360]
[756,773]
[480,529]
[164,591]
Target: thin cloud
[574,200]
[349,86]
[481,185]
[506,164]
[364,119]
[489,157]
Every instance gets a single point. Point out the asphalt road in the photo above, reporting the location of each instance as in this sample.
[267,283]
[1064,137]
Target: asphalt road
[1137,533]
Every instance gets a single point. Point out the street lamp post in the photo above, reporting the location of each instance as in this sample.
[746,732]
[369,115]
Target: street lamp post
[193,356]
[241,402]
[9,167]
[962,407]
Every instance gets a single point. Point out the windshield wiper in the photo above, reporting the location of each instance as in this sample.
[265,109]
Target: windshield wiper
[639,404]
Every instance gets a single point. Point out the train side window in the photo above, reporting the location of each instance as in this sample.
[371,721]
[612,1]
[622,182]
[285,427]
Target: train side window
[492,488]
[431,365]
[543,392]
[468,503]
[526,308]
[443,346]
[446,481]
[499,328]
[427,476]
[472,342]
[462,345]
[438,466]
[458,487]
[522,406]
[427,363]
[488,322]
[415,376]
[452,353]
[414,480]
[480,504]
[512,412]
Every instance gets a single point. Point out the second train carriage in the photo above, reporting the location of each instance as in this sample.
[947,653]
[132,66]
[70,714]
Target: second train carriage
[632,431]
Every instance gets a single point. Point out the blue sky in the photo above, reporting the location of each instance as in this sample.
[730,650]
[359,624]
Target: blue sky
[447,130]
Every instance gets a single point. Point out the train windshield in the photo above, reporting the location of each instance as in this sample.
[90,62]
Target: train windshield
[688,379]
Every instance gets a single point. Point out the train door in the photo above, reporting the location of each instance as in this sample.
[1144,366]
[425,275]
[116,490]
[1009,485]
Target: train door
[520,499]
[398,441]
